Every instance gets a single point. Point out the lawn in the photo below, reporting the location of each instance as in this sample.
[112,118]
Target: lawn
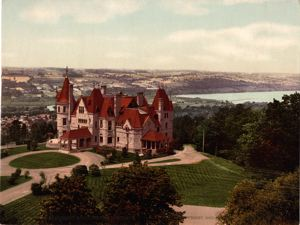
[207,183]
[44,160]
[22,149]
[165,161]
[5,185]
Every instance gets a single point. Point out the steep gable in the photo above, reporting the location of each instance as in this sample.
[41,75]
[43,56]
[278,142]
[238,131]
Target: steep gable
[161,94]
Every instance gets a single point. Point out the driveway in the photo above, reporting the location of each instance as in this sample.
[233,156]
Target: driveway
[195,214]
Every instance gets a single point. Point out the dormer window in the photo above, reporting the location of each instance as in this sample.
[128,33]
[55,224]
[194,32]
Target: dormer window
[81,109]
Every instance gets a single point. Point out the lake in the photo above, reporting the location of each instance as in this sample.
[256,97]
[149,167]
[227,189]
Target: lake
[242,97]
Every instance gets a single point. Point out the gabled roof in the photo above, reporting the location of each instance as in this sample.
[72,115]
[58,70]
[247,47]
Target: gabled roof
[74,134]
[135,119]
[107,109]
[126,101]
[94,101]
[63,95]
[161,94]
[154,136]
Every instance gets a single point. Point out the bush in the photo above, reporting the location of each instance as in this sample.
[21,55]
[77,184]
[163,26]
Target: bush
[4,153]
[5,219]
[34,145]
[18,172]
[26,174]
[80,170]
[12,179]
[36,189]
[40,188]
[94,170]
[124,152]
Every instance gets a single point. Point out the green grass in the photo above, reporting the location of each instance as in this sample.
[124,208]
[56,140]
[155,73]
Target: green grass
[23,149]
[5,185]
[44,160]
[207,183]
[165,161]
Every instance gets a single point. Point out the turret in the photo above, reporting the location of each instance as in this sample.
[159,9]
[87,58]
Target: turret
[64,106]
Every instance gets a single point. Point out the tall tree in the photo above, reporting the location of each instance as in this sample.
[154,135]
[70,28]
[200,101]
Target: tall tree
[275,202]
[70,203]
[141,195]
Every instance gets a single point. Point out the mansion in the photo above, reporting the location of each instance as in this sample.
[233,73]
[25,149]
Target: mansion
[118,121]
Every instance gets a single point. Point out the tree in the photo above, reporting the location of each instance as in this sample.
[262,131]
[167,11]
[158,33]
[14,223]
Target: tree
[141,195]
[70,202]
[80,170]
[94,170]
[275,139]
[270,203]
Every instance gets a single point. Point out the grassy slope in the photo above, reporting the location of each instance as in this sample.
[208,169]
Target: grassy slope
[5,185]
[44,160]
[206,183]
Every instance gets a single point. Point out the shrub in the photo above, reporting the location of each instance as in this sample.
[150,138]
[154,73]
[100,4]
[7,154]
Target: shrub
[5,219]
[40,188]
[36,189]
[12,179]
[124,152]
[26,174]
[34,145]
[94,170]
[4,153]
[80,170]
[18,172]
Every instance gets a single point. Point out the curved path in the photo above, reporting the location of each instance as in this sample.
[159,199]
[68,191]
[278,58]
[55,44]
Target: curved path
[195,214]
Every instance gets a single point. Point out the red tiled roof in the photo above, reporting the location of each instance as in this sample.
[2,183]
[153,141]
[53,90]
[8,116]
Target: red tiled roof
[135,119]
[63,95]
[167,104]
[107,108]
[126,101]
[74,134]
[94,101]
[154,136]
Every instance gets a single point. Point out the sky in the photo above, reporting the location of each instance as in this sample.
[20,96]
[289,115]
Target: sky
[216,35]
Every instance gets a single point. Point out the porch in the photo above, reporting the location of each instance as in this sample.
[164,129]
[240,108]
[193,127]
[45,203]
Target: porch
[76,139]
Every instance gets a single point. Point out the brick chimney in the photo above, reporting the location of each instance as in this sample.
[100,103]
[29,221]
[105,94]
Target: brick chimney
[140,98]
[117,104]
[103,89]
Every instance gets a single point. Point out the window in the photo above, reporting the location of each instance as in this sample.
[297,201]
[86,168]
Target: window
[166,115]
[157,129]
[58,109]
[64,121]
[166,134]
[82,121]
[96,124]
[81,109]
[101,124]
[118,139]
[101,139]
[166,125]
[109,140]
[64,109]
[96,138]
[109,125]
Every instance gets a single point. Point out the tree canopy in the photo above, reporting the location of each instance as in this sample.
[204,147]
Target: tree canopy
[70,202]
[141,195]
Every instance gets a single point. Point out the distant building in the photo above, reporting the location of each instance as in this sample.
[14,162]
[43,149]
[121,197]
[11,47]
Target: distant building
[119,121]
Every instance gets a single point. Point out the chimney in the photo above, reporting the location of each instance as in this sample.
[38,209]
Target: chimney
[140,98]
[117,104]
[103,89]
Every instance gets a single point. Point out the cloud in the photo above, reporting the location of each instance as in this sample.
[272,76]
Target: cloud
[201,7]
[252,43]
[186,7]
[92,11]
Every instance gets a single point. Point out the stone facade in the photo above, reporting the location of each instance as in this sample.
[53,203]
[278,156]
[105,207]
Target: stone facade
[114,120]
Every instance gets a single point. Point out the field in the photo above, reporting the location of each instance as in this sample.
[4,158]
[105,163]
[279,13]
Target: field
[5,185]
[44,160]
[206,183]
